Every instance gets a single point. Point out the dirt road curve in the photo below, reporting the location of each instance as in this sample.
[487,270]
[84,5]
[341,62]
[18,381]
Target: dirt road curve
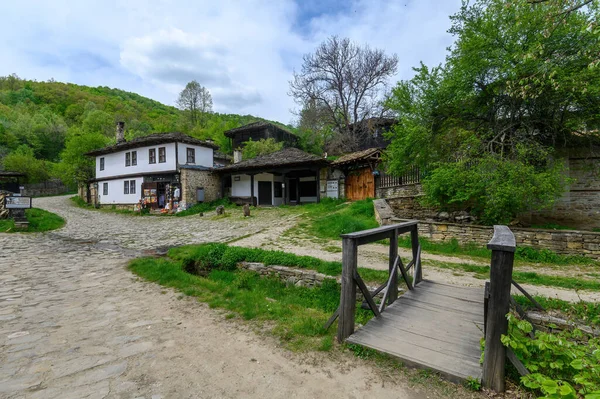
[74,323]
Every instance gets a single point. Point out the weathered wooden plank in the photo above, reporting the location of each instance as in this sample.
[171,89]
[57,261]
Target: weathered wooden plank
[401,227]
[348,289]
[393,274]
[453,367]
[503,252]
[393,261]
[404,274]
[531,299]
[475,296]
[516,362]
[433,310]
[366,294]
[333,317]
[416,253]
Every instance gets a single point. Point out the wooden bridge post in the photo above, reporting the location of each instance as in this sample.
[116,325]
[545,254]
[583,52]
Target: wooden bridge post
[348,294]
[393,287]
[503,247]
[414,238]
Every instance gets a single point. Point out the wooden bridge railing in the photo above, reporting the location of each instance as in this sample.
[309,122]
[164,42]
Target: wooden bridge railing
[351,279]
[497,302]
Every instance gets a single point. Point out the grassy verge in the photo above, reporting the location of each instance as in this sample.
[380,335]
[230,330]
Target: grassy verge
[227,257]
[39,221]
[330,218]
[584,312]
[297,313]
[524,254]
[483,272]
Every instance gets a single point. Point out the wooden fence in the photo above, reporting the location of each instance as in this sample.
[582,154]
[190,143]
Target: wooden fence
[412,176]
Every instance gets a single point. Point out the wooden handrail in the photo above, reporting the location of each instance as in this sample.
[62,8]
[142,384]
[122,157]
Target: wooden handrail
[351,279]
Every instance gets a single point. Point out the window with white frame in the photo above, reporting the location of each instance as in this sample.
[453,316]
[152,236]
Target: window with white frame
[127,159]
[132,187]
[133,158]
[162,154]
[152,155]
[102,163]
[126,187]
[105,189]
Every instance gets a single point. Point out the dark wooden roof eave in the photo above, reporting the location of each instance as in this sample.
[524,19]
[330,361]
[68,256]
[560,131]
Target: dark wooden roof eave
[159,138]
[271,168]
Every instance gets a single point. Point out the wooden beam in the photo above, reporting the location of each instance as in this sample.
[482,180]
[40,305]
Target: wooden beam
[252,191]
[404,274]
[416,253]
[366,294]
[503,252]
[536,303]
[348,291]
[393,260]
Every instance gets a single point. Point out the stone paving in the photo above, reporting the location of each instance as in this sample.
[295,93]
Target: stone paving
[74,323]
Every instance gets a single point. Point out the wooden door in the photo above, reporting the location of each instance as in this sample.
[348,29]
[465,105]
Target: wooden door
[360,184]
[265,193]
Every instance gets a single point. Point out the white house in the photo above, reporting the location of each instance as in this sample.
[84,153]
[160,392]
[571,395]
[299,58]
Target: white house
[155,169]
[288,176]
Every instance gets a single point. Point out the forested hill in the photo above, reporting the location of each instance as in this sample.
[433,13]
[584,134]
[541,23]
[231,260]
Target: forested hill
[45,127]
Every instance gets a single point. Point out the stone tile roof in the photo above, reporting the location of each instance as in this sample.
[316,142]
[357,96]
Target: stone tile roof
[255,125]
[153,139]
[288,157]
[358,156]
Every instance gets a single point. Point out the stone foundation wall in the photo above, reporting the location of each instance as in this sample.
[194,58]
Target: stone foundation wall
[410,208]
[50,187]
[192,179]
[565,242]
[288,275]
[407,190]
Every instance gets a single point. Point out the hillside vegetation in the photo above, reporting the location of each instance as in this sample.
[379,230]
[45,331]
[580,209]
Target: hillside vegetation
[46,127]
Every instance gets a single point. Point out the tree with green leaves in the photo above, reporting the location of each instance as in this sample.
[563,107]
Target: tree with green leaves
[253,149]
[521,82]
[196,100]
[75,167]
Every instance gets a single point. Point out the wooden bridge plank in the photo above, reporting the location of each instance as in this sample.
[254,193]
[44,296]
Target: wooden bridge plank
[435,326]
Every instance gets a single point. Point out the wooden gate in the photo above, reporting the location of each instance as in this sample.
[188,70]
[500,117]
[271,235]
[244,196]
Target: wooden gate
[360,184]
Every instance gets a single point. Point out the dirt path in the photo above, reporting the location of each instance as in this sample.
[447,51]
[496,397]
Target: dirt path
[375,256]
[76,324]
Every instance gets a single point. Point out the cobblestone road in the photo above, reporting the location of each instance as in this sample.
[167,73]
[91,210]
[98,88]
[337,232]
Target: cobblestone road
[74,323]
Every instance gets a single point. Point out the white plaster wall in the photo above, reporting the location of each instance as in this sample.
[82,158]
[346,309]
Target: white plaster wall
[114,164]
[241,188]
[116,191]
[204,155]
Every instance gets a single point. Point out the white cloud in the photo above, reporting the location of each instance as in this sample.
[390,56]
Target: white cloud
[243,52]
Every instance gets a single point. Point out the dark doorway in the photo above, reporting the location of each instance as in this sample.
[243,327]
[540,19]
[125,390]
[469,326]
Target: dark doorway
[265,194]
[293,189]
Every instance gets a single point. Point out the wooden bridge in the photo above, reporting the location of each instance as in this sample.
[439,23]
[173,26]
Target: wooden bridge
[434,325]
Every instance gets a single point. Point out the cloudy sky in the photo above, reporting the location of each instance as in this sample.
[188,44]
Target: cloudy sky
[244,52]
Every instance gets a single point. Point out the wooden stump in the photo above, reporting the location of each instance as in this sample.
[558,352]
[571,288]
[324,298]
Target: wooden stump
[220,210]
[246,210]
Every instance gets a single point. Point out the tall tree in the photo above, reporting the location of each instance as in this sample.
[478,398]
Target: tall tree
[197,101]
[521,81]
[348,81]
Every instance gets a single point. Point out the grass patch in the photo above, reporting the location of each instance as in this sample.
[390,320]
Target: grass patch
[298,313]
[39,221]
[483,272]
[584,312]
[205,207]
[330,217]
[526,254]
[226,257]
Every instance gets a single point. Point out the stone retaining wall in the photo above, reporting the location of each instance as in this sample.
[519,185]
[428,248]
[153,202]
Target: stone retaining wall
[50,187]
[565,242]
[289,275]
[406,190]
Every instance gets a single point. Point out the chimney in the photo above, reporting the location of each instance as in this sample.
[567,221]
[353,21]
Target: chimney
[237,156]
[120,132]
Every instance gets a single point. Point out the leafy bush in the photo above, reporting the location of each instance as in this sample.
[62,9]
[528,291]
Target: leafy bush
[564,364]
[495,190]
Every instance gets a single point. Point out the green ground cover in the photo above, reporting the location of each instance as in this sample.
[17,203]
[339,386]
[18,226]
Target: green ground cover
[39,221]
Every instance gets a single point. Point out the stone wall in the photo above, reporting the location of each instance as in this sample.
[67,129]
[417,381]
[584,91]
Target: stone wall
[289,275]
[191,179]
[581,202]
[566,242]
[409,207]
[50,187]
[407,190]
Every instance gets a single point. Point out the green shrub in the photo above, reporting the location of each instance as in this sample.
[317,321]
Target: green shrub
[495,190]
[563,364]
